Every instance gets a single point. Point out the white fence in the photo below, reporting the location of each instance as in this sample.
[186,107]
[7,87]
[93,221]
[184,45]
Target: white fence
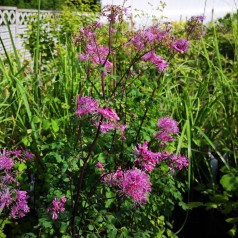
[17,20]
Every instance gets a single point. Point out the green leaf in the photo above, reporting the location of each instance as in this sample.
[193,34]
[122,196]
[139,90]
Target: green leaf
[36,119]
[232,231]
[91,227]
[27,140]
[55,125]
[195,204]
[232,220]
[112,231]
[22,167]
[46,125]
[229,182]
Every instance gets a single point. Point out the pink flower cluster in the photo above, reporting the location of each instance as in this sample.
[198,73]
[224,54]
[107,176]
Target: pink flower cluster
[134,183]
[150,36]
[114,13]
[178,162]
[6,162]
[56,207]
[160,63]
[168,127]
[181,45]
[86,105]
[11,197]
[110,120]
[20,207]
[194,27]
[145,158]
[95,53]
[15,200]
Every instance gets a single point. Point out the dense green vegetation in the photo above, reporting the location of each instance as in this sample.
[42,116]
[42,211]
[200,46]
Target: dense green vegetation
[83,5]
[137,77]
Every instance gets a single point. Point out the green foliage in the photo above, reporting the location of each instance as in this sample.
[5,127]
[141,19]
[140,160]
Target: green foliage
[79,5]
[207,100]
[47,41]
[32,4]
[84,5]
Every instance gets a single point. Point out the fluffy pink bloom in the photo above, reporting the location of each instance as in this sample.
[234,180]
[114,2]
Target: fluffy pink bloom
[145,158]
[164,136]
[15,152]
[63,199]
[160,63]
[142,38]
[86,105]
[114,13]
[20,208]
[168,125]
[8,178]
[6,163]
[56,207]
[96,54]
[113,178]
[198,18]
[83,57]
[122,128]
[54,215]
[178,162]
[99,165]
[136,184]
[29,155]
[108,113]
[181,45]
[5,198]
[106,125]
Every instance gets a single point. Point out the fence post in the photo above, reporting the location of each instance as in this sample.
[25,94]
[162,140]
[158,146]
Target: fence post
[17,25]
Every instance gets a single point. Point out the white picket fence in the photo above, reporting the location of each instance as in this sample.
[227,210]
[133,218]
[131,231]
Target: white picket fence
[17,20]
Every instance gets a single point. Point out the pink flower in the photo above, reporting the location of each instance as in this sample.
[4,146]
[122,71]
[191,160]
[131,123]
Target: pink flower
[16,152]
[146,158]
[160,63]
[29,155]
[136,184]
[56,207]
[168,125]
[181,45]
[151,35]
[83,57]
[178,162]
[113,178]
[149,56]
[164,137]
[5,198]
[6,163]
[8,178]
[86,105]
[106,126]
[54,216]
[63,199]
[20,208]
[108,113]
[99,165]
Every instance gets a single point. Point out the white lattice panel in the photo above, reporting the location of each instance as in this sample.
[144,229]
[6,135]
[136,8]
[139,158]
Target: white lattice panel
[18,20]
[7,14]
